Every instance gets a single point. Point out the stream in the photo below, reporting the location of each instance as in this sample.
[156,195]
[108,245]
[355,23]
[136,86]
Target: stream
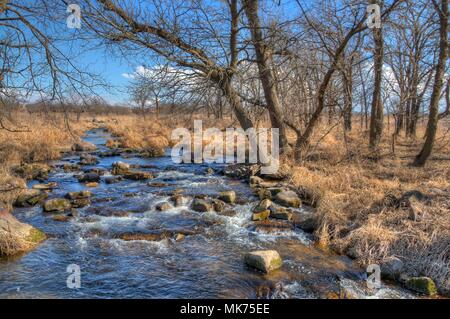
[208,263]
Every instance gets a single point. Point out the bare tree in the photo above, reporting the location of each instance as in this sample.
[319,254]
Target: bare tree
[433,117]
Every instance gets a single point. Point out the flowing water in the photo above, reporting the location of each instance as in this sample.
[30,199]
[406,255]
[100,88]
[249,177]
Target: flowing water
[206,264]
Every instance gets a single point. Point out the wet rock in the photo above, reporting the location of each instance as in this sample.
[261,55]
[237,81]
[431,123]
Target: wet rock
[177,200]
[262,206]
[264,193]
[61,218]
[179,237]
[92,184]
[228,197]
[83,147]
[140,236]
[71,167]
[280,213]
[138,176]
[57,205]
[163,206]
[113,179]
[264,260]
[218,205]
[88,178]
[288,199]
[228,213]
[209,171]
[157,236]
[269,290]
[87,159]
[30,197]
[96,170]
[392,268]
[158,184]
[201,205]
[109,153]
[80,202]
[78,195]
[120,168]
[307,223]
[275,190]
[32,171]
[48,186]
[241,171]
[73,213]
[17,237]
[255,181]
[260,216]
[271,226]
[423,285]
[151,152]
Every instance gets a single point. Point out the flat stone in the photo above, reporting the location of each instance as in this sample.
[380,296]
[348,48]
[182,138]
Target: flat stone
[288,199]
[264,260]
[48,186]
[57,205]
[138,176]
[78,195]
[280,213]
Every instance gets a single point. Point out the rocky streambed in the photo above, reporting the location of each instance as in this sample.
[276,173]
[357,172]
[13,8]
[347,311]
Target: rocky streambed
[140,226]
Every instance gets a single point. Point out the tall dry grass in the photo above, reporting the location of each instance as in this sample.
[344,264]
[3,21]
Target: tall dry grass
[352,190]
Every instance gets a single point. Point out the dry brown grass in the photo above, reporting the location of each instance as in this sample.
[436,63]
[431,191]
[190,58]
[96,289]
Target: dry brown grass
[134,131]
[352,215]
[40,137]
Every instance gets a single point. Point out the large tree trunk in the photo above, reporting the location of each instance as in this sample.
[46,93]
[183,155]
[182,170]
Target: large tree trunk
[376,120]
[433,117]
[264,59]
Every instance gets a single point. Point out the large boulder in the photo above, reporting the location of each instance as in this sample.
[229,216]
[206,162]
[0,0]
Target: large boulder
[120,168]
[83,147]
[201,205]
[391,268]
[228,197]
[264,260]
[288,199]
[17,237]
[57,205]
[30,197]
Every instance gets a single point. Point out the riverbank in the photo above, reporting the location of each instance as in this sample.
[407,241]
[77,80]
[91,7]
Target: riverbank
[375,212]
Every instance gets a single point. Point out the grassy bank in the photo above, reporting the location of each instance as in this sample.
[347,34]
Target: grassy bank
[363,208]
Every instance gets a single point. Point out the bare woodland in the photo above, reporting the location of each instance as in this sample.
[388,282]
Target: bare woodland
[316,70]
